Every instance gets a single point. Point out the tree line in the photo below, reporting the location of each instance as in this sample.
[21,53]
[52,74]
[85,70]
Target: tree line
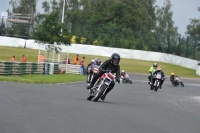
[130,24]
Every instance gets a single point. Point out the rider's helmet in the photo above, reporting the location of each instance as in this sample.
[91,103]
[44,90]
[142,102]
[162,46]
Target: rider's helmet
[93,62]
[155,65]
[123,72]
[98,62]
[172,74]
[115,58]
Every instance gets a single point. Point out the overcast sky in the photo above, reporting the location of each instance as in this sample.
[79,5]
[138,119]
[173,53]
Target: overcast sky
[183,10]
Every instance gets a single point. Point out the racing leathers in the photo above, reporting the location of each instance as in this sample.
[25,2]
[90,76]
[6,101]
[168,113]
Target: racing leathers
[151,70]
[172,79]
[107,66]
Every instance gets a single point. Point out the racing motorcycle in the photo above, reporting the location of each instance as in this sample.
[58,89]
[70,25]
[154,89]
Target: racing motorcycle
[91,72]
[125,79]
[157,80]
[101,86]
[177,82]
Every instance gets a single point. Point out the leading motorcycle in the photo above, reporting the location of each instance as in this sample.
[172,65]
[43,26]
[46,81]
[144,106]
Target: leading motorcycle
[157,80]
[101,86]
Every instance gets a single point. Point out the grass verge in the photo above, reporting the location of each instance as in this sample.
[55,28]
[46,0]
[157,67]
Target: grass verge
[44,79]
[129,65]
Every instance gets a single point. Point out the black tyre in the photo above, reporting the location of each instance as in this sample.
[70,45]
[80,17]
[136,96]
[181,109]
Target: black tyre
[130,82]
[91,78]
[182,84]
[100,93]
[156,87]
[151,87]
[88,78]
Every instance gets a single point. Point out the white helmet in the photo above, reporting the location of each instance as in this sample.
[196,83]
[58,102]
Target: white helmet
[92,61]
[123,71]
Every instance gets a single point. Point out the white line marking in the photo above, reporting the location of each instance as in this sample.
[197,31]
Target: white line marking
[166,82]
[70,82]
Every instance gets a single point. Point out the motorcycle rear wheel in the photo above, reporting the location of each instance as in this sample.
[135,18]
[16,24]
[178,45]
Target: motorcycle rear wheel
[100,93]
[182,84]
[151,87]
[130,82]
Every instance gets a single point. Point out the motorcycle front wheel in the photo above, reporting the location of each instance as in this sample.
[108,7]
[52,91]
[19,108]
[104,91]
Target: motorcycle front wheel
[100,93]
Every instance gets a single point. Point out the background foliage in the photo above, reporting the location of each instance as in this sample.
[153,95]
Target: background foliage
[130,24]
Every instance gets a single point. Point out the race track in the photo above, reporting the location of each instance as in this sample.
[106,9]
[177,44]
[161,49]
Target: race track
[128,108]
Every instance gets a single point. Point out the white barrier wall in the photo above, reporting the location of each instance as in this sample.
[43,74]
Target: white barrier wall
[107,51]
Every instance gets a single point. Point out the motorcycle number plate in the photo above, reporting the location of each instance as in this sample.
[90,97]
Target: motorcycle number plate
[158,76]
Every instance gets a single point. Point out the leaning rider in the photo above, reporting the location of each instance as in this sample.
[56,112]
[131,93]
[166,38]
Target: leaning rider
[162,74]
[112,65]
[172,77]
[123,74]
[151,70]
[90,65]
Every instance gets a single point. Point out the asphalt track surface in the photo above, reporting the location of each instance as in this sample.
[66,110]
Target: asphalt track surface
[63,108]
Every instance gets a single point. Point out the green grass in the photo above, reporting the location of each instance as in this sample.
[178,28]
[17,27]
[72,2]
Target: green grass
[41,79]
[129,65]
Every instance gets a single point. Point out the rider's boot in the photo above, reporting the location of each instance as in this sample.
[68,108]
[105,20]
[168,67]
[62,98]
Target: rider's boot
[89,86]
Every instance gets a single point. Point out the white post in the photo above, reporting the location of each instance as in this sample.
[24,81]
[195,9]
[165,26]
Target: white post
[63,14]
[53,52]
[39,53]
[67,58]
[58,57]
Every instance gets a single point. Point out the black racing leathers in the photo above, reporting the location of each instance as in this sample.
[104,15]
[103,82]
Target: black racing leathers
[107,65]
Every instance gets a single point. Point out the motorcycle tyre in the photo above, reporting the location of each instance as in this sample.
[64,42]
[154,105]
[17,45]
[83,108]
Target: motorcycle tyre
[88,78]
[130,82]
[155,88]
[182,84]
[100,93]
[151,87]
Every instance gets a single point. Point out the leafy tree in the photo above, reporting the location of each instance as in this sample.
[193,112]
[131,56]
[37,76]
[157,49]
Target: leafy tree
[193,29]
[49,31]
[46,7]
[165,29]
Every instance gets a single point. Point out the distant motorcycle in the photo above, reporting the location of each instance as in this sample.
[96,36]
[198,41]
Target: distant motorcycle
[125,79]
[91,72]
[157,80]
[101,86]
[177,81]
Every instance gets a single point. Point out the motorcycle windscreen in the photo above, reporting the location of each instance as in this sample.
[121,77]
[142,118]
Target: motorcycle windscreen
[158,75]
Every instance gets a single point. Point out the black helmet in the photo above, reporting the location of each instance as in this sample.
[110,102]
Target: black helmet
[115,58]
[155,65]
[98,61]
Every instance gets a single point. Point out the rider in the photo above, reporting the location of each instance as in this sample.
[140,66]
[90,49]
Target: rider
[112,65]
[123,74]
[151,70]
[172,77]
[90,65]
[162,74]
[98,62]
